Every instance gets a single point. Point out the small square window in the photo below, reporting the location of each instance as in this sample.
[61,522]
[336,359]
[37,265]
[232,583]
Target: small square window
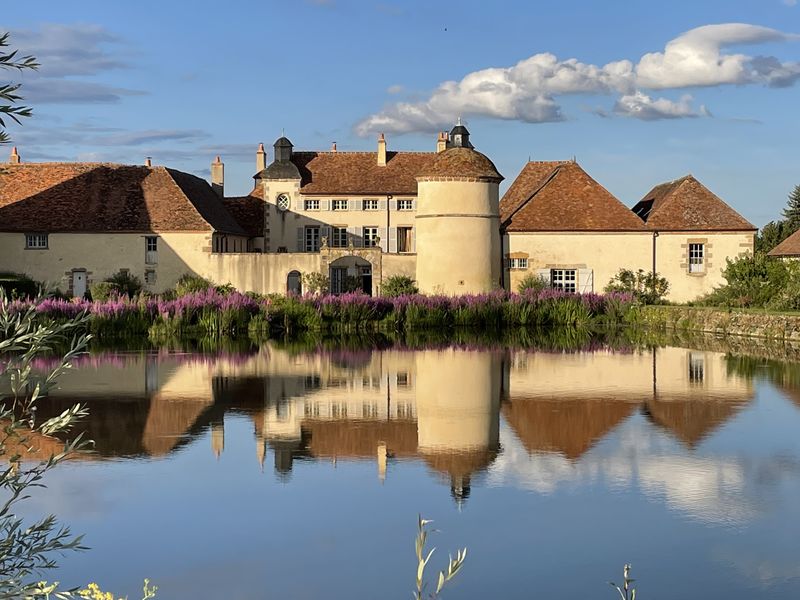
[36,241]
[339,205]
[405,204]
[311,204]
[150,277]
[564,279]
[370,204]
[517,263]
[697,367]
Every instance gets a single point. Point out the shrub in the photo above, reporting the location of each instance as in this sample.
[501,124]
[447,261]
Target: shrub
[190,284]
[103,290]
[17,285]
[532,282]
[316,283]
[399,285]
[753,280]
[647,288]
[126,283]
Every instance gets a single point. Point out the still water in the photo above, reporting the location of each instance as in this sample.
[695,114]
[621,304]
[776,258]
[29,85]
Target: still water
[278,474]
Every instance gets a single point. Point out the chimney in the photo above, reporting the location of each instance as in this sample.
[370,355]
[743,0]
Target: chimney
[148,162]
[14,158]
[218,177]
[333,147]
[261,158]
[441,142]
[381,151]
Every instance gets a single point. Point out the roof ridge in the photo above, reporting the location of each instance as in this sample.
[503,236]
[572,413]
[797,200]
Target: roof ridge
[548,179]
[361,152]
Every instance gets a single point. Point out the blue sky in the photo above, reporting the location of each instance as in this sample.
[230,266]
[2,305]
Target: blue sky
[183,81]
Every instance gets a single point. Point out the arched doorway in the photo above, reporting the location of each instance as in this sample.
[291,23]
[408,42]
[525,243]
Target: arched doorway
[294,283]
[350,273]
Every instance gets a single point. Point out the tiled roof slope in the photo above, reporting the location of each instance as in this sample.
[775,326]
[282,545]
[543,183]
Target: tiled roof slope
[461,163]
[687,205]
[359,173]
[529,179]
[788,247]
[248,212]
[568,199]
[99,197]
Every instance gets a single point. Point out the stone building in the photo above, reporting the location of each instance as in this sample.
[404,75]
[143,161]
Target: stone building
[359,218]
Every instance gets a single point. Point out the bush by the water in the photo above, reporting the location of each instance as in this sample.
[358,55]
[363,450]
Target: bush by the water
[399,285]
[758,281]
[532,282]
[126,283]
[103,290]
[646,288]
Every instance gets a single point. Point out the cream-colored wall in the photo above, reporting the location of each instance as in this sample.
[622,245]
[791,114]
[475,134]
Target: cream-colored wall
[458,237]
[262,273]
[104,254]
[672,260]
[602,253]
[284,225]
[634,377]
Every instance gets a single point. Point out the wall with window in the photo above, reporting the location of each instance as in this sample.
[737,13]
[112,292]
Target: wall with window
[158,260]
[693,262]
[586,261]
[374,220]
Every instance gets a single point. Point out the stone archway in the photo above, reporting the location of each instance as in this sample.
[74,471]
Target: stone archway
[350,274]
[294,283]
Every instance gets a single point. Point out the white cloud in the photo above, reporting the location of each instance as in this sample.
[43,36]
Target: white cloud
[394,89]
[528,91]
[790,2]
[641,106]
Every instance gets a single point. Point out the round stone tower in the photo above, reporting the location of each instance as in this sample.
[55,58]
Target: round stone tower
[458,221]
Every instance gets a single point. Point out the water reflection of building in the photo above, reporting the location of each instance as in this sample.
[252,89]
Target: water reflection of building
[440,406]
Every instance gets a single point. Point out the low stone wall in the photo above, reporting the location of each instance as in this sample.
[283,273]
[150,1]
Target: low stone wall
[722,322]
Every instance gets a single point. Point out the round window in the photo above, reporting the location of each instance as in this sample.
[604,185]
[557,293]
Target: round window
[283,202]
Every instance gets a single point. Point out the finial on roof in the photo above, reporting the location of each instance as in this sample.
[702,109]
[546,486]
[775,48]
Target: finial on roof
[218,159]
[459,120]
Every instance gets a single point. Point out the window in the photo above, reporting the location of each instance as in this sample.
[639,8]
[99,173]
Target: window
[404,239]
[405,204]
[339,205]
[564,279]
[370,204]
[36,241]
[311,204]
[369,411]
[370,237]
[150,277]
[697,365]
[696,258]
[151,250]
[517,263]
[311,243]
[338,237]
[402,379]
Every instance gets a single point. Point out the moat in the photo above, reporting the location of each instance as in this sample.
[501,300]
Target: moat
[289,473]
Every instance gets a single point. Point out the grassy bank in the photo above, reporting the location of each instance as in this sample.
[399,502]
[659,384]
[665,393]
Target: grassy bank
[212,312]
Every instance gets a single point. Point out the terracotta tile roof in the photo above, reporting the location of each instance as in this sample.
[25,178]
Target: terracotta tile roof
[687,205]
[692,419]
[565,199]
[248,211]
[95,197]
[788,247]
[529,179]
[359,172]
[461,163]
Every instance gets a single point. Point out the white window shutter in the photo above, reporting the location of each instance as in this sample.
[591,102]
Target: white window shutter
[544,274]
[585,281]
[393,239]
[324,204]
[392,204]
[352,236]
[384,235]
[414,204]
[356,204]
[382,205]
[301,239]
[413,240]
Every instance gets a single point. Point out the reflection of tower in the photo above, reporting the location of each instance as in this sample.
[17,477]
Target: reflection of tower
[458,403]
[382,459]
[218,437]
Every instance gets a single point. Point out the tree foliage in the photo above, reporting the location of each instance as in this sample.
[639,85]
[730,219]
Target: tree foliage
[9,98]
[647,288]
[772,234]
[791,213]
[399,285]
[753,280]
